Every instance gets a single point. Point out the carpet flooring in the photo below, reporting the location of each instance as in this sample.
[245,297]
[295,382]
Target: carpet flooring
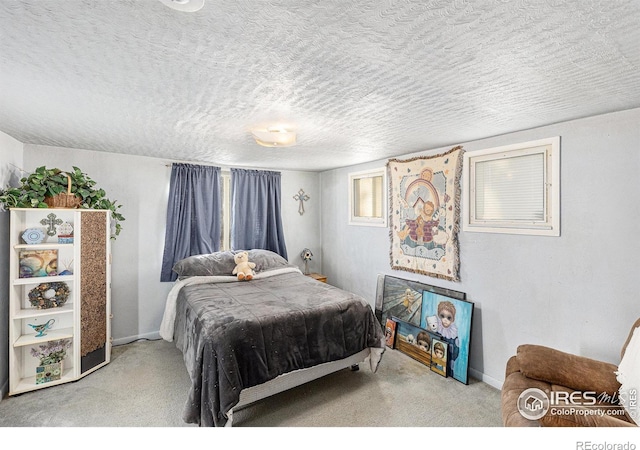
[146,385]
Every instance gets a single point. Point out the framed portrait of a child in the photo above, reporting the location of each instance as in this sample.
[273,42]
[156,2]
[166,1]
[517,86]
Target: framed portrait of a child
[450,319]
[439,352]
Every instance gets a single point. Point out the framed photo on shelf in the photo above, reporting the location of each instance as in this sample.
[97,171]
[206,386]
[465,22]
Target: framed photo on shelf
[38,263]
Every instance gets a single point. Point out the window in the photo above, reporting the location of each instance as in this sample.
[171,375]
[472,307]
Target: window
[203,218]
[513,189]
[367,198]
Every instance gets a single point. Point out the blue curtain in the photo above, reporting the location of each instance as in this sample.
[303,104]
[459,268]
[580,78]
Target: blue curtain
[193,215]
[256,221]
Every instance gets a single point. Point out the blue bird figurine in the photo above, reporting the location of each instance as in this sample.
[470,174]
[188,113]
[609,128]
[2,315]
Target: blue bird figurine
[40,329]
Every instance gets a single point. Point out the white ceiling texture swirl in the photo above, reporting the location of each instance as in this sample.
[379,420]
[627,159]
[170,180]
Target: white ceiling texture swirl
[357,80]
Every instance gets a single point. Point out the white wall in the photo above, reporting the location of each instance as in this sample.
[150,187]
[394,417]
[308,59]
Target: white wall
[11,152]
[141,185]
[302,231]
[577,292]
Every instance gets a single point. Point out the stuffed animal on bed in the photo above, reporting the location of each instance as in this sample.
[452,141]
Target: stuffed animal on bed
[244,268]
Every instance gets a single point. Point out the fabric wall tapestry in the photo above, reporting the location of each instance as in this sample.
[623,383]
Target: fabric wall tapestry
[424,205]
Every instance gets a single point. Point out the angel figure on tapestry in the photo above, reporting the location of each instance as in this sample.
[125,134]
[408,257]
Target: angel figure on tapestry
[423,232]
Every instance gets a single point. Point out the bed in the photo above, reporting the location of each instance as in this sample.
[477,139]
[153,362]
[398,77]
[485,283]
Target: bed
[245,340]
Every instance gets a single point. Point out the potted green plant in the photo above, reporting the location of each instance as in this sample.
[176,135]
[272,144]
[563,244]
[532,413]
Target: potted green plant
[44,186]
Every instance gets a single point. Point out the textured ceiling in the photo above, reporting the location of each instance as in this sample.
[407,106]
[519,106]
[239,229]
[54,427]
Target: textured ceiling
[359,80]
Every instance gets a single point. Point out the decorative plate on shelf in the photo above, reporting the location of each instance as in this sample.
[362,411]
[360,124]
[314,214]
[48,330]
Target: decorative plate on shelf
[33,236]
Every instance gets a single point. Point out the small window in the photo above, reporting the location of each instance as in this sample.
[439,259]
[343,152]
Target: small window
[367,198]
[514,189]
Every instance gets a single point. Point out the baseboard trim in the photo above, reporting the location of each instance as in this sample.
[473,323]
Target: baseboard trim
[485,379]
[129,339]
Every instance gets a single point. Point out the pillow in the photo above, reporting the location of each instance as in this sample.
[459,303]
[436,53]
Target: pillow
[266,260]
[218,263]
[628,375]
[222,263]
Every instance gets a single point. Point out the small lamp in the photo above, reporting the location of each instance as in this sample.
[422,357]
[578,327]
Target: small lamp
[306,255]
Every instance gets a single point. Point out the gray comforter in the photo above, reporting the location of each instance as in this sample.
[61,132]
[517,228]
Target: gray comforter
[235,335]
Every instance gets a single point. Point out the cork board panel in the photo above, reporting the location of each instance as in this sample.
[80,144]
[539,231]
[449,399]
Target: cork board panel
[93,281]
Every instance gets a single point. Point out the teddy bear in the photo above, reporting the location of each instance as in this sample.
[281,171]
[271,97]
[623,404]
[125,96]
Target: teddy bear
[244,268]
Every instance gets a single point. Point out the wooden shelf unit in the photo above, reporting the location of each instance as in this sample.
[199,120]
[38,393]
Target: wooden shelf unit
[84,318]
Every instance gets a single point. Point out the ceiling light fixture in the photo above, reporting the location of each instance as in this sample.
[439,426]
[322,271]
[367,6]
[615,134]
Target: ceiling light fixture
[274,137]
[184,5]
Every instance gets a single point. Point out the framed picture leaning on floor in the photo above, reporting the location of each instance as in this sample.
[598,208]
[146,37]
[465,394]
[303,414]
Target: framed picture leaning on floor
[450,318]
[439,352]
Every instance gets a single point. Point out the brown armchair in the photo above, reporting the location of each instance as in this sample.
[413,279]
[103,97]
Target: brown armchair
[549,370]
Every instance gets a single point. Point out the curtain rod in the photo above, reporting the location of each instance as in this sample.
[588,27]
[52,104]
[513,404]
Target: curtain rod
[223,168]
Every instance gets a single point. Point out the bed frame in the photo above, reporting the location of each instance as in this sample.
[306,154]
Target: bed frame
[294,379]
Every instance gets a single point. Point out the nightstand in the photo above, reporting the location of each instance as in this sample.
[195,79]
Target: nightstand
[318,276]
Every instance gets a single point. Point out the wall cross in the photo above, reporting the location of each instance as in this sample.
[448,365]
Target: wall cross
[301,197]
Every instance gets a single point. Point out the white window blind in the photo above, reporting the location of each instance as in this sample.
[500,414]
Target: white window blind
[368,197]
[511,189]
